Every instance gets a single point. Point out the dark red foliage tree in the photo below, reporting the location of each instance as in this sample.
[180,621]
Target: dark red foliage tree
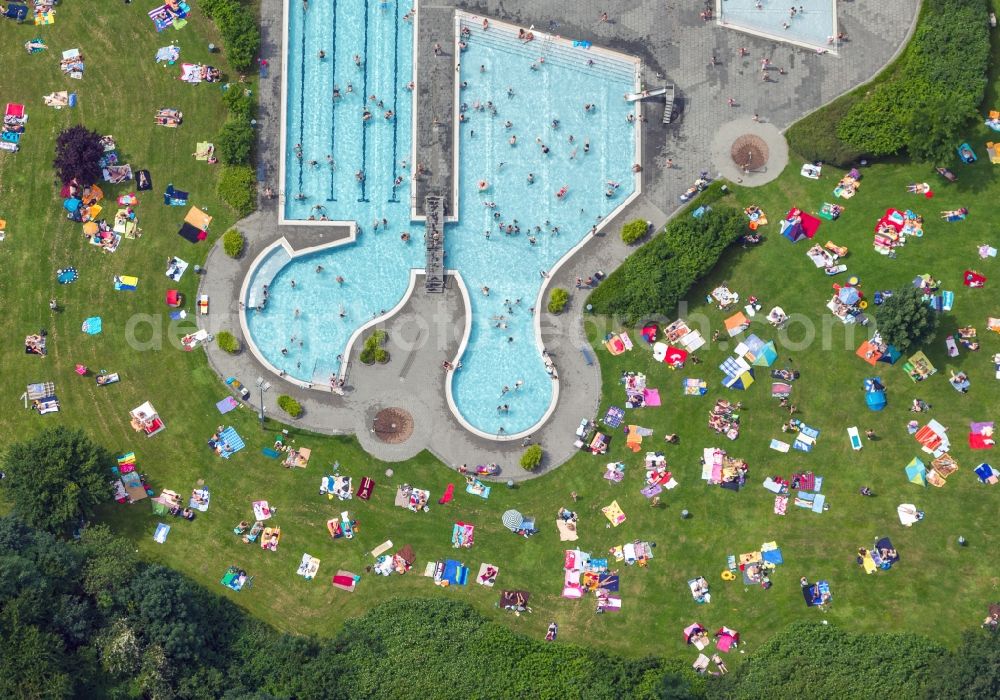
[78,154]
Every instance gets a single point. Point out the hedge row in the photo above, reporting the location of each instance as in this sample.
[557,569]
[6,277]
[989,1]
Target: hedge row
[658,275]
[237,23]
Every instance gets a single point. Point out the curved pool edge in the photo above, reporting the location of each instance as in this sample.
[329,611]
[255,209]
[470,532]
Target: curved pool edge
[283,243]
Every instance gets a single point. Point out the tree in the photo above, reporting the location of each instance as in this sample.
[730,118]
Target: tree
[806,656]
[56,478]
[110,564]
[905,319]
[33,664]
[78,155]
[936,124]
[973,671]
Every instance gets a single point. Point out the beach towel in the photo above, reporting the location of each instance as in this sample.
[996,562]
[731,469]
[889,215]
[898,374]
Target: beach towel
[780,504]
[614,417]
[261,510]
[382,548]
[487,575]
[651,397]
[227,404]
[448,494]
[614,514]
[780,446]
[92,326]
[567,530]
[162,530]
[345,580]
[125,283]
[308,567]
[365,488]
[168,53]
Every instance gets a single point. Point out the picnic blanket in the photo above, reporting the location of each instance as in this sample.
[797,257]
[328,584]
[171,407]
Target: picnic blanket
[261,510]
[567,530]
[227,404]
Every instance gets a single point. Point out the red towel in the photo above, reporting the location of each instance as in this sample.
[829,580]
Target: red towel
[449,493]
[365,488]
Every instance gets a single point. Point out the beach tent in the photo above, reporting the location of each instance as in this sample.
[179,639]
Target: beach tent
[766,356]
[891,355]
[739,382]
[874,393]
[916,472]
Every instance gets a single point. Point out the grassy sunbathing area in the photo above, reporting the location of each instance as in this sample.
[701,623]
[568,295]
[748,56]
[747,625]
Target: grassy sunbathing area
[935,578]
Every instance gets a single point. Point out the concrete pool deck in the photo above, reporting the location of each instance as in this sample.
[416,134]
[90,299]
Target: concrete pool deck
[414,379]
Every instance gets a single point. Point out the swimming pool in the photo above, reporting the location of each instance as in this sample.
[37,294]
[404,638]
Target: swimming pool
[812,25]
[540,88]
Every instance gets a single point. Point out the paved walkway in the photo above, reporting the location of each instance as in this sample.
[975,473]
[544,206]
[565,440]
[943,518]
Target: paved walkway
[676,46]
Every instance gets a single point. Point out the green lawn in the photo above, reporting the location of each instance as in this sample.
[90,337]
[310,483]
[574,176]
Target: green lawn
[935,581]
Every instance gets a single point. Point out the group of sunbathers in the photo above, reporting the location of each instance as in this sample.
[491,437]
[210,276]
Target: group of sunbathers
[168,117]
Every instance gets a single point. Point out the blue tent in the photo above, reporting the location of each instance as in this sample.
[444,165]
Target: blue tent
[890,355]
[874,394]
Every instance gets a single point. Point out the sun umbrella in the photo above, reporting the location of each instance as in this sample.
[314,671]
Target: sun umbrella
[512,519]
[90,228]
[848,295]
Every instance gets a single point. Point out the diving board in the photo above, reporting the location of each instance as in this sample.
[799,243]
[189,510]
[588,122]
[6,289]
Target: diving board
[634,96]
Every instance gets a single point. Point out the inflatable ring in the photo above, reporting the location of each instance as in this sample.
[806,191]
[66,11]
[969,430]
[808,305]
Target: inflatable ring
[728,575]
[863,304]
[483,185]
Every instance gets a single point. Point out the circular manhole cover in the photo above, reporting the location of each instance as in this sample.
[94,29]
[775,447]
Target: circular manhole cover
[393,425]
[749,152]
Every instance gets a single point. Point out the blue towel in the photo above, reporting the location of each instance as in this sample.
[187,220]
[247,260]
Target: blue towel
[773,556]
[818,503]
[807,431]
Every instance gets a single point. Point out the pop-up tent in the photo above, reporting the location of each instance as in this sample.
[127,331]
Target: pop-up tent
[874,393]
[916,472]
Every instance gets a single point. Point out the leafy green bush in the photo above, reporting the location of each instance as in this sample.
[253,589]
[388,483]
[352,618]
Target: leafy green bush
[240,103]
[238,188]
[290,406]
[233,243]
[373,351]
[658,275]
[531,458]
[227,342]
[558,299]
[634,230]
[235,142]
[237,23]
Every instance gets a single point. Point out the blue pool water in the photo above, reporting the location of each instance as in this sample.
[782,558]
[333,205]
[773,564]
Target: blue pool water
[813,26]
[376,268]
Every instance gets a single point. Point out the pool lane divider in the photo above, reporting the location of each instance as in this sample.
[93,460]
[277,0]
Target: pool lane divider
[395,100]
[364,124]
[302,99]
[333,112]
